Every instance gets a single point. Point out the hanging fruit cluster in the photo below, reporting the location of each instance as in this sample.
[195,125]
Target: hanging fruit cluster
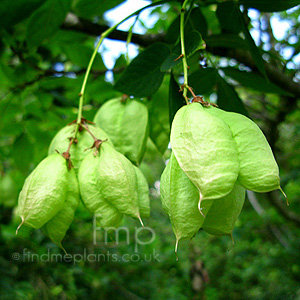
[98,167]
[216,156]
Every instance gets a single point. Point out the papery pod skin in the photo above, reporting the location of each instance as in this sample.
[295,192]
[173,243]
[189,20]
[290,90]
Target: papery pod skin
[143,193]
[44,191]
[258,168]
[165,188]
[115,178]
[126,123]
[105,213]
[57,227]
[224,212]
[205,150]
[181,197]
[78,151]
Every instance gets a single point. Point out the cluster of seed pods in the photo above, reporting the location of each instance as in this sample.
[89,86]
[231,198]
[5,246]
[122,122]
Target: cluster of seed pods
[217,156]
[99,168]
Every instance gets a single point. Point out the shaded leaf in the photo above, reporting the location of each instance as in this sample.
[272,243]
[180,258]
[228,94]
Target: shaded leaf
[80,55]
[22,152]
[203,81]
[119,66]
[143,77]
[195,22]
[228,99]
[19,10]
[91,8]
[270,5]
[158,107]
[176,99]
[226,41]
[253,81]
[255,53]
[45,22]
[193,42]
[228,17]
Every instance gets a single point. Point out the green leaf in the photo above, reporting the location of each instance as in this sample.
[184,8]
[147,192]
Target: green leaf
[22,152]
[270,5]
[45,22]
[195,22]
[80,55]
[253,81]
[226,41]
[13,12]
[203,81]
[158,107]
[228,99]
[255,53]
[91,8]
[232,21]
[193,42]
[119,66]
[227,14]
[143,77]
[176,99]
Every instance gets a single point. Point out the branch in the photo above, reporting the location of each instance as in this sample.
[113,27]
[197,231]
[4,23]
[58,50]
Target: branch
[52,73]
[275,75]
[75,23]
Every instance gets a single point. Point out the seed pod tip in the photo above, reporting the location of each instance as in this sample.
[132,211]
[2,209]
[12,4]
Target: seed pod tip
[176,249]
[287,201]
[23,220]
[140,220]
[199,204]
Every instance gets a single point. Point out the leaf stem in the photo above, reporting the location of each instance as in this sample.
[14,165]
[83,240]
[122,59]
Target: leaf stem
[183,53]
[129,38]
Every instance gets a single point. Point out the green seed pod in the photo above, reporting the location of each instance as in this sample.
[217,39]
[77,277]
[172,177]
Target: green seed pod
[143,193]
[44,192]
[78,151]
[114,178]
[126,123]
[57,227]
[205,150]
[224,212]
[165,189]
[258,168]
[180,201]
[106,214]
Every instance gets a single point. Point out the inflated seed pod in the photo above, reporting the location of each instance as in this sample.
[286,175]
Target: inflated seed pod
[126,123]
[57,227]
[205,150]
[106,214]
[180,201]
[143,193]
[165,188]
[224,212]
[44,192]
[78,150]
[258,168]
[115,178]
